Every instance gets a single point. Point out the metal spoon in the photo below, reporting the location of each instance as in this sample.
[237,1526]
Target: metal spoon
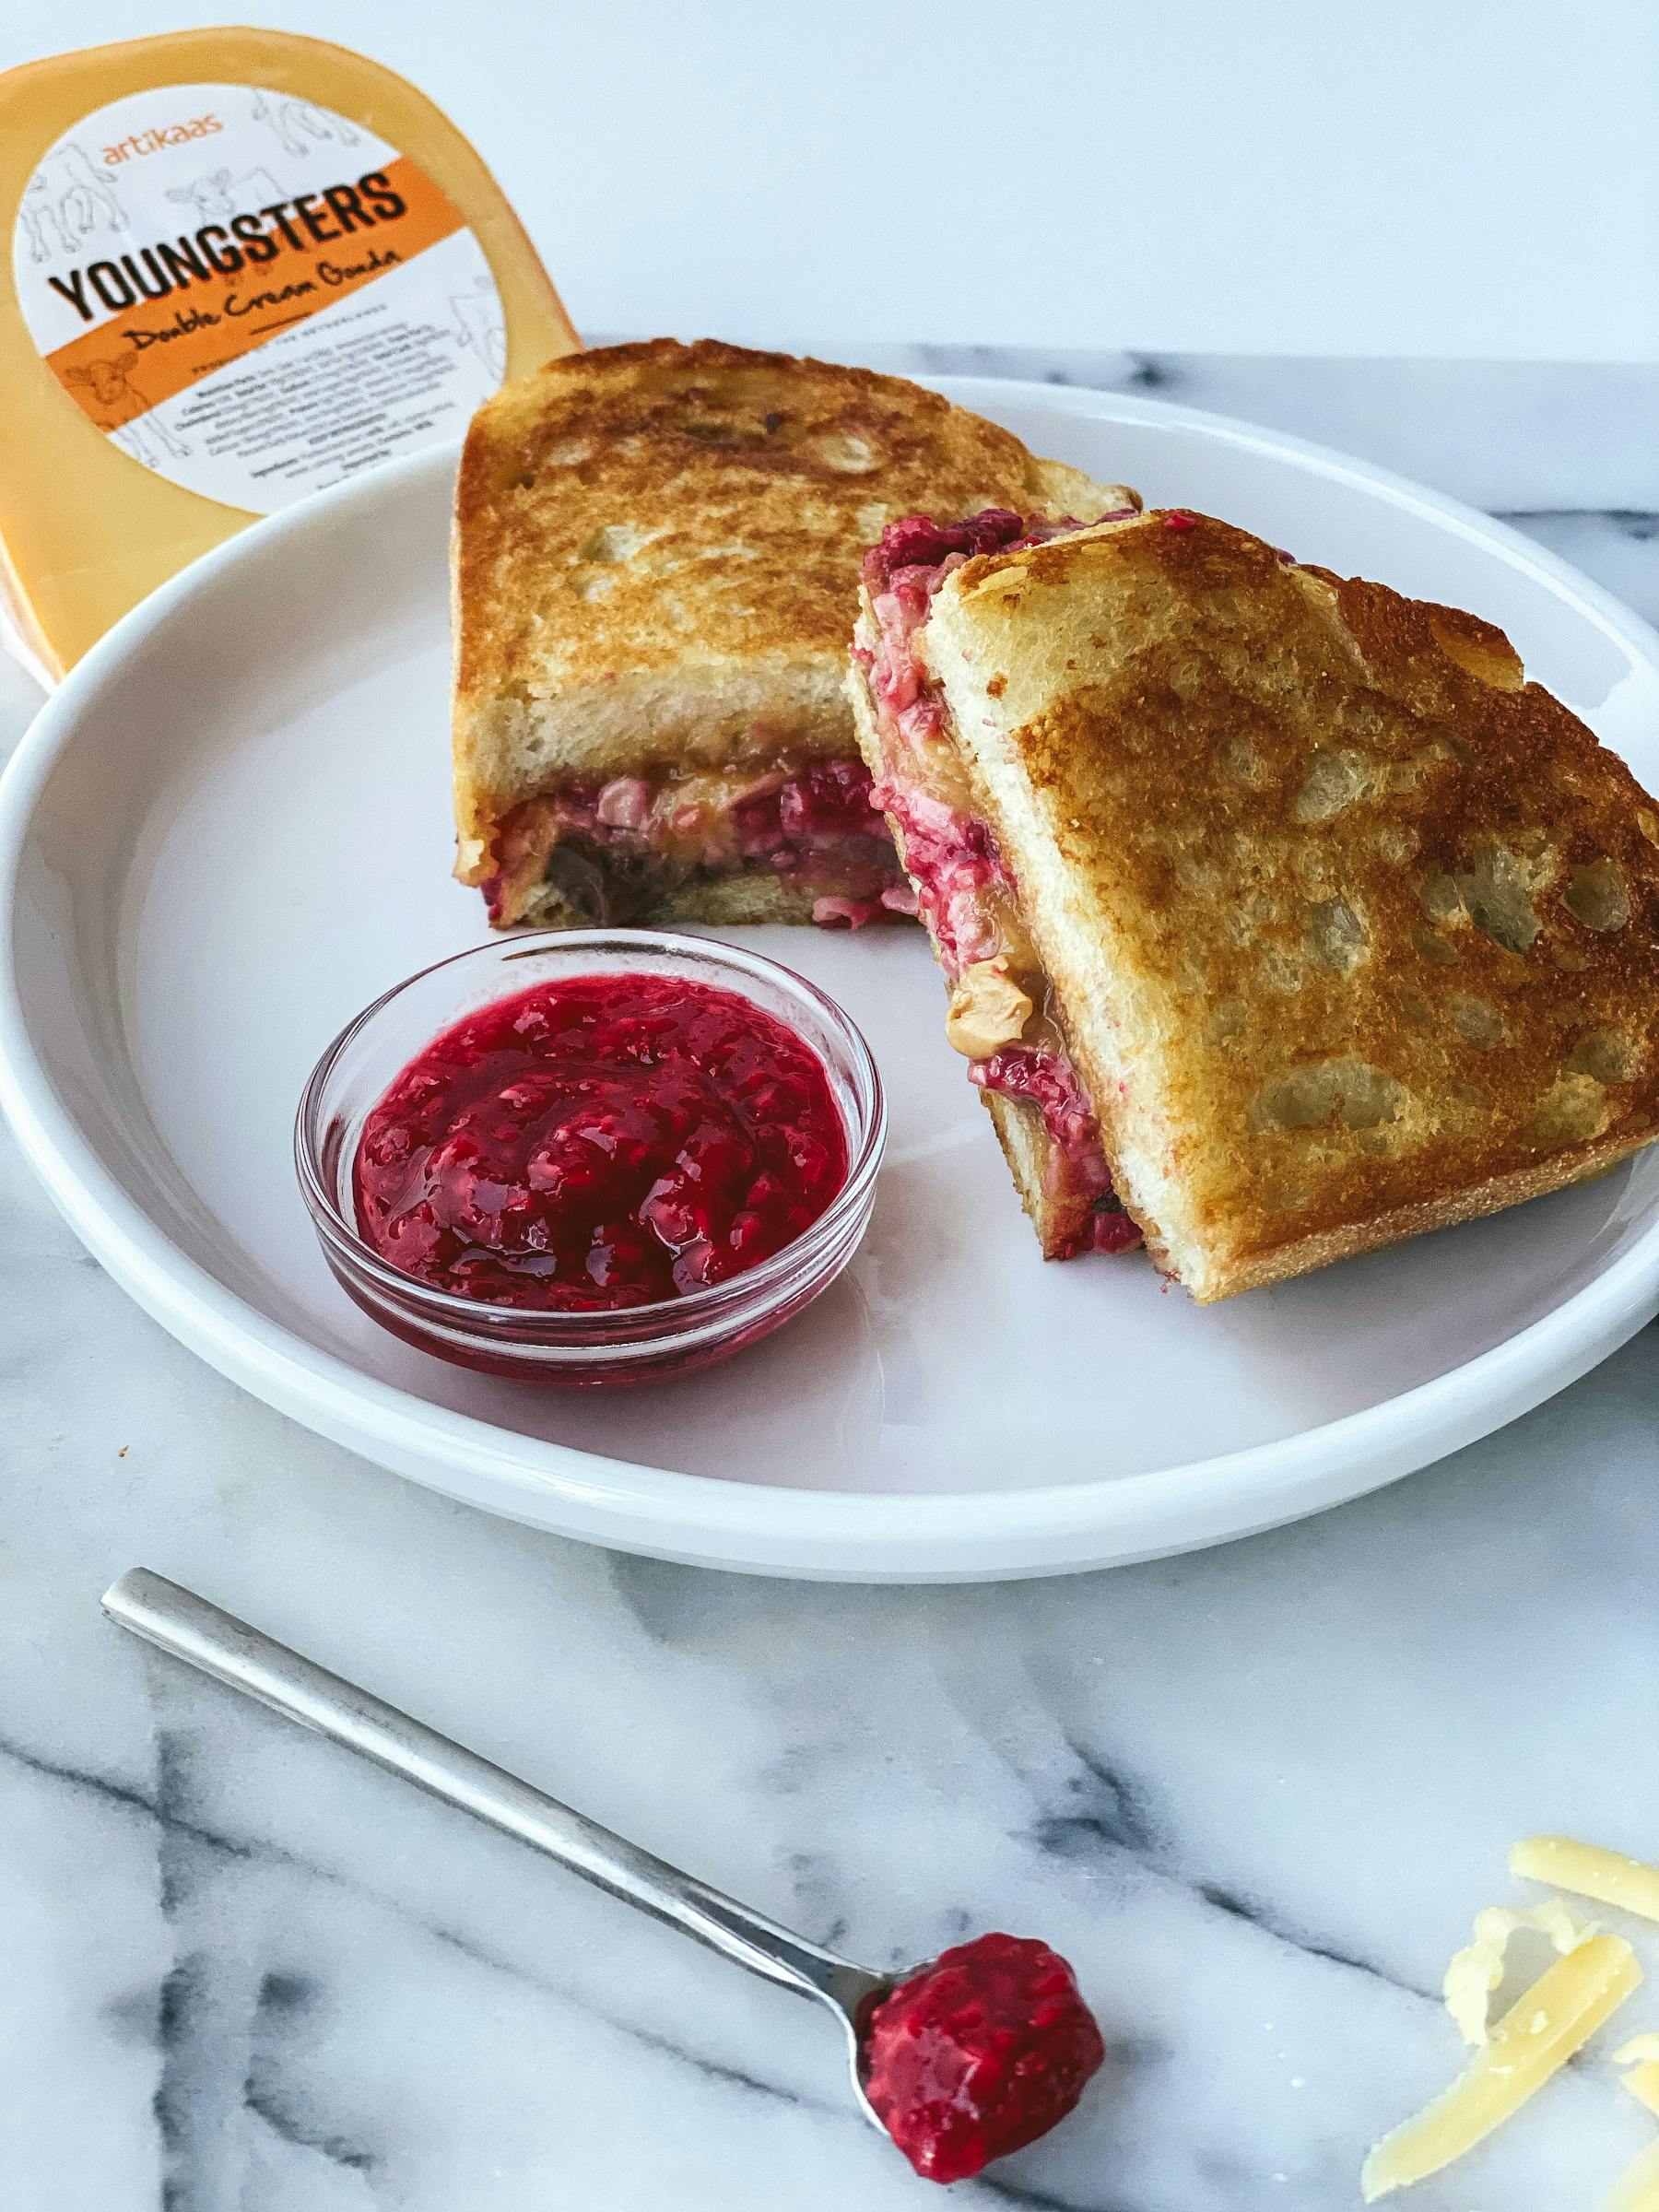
[231,1651]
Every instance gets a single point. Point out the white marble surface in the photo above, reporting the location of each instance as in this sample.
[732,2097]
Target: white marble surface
[1255,1796]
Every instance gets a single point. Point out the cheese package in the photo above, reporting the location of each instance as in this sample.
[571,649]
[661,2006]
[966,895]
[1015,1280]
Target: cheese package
[244,265]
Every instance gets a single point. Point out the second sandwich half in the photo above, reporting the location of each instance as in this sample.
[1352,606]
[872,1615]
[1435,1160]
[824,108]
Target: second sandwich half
[1282,917]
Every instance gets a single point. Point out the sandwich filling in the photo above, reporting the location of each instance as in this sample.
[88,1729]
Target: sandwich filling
[614,847]
[1001,1010]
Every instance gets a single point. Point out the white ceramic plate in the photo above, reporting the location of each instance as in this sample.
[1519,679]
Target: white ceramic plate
[230,830]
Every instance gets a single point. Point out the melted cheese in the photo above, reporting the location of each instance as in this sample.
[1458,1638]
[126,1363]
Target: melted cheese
[1589,1871]
[1540,2032]
[100,167]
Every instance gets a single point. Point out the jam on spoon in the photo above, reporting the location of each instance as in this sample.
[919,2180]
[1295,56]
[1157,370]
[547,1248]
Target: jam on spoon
[978,2054]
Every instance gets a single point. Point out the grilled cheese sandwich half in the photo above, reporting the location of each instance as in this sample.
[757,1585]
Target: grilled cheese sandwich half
[1282,917]
[656,554]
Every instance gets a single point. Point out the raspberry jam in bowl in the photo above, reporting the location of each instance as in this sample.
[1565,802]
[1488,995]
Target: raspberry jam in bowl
[592,1157]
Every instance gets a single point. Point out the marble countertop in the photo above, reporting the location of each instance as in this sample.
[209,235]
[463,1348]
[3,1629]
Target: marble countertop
[1255,1794]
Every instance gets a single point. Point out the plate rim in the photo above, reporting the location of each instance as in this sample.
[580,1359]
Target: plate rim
[866,1536]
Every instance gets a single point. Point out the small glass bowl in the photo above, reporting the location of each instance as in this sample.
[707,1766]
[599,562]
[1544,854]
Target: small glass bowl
[580,1350]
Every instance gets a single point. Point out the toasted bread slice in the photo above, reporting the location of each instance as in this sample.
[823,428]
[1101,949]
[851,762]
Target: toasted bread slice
[656,551]
[1351,931]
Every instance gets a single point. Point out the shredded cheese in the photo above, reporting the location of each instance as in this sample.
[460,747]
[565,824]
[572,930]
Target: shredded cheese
[1539,2033]
[1589,1871]
[1637,2188]
[1477,1971]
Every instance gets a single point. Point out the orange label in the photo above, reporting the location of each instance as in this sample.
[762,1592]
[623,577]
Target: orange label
[147,353]
[251,294]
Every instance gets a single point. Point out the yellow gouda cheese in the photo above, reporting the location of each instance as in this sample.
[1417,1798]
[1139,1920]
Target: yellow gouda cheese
[1539,2033]
[244,265]
[1589,1871]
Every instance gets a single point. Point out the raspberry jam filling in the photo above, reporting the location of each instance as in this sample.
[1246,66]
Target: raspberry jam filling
[966,896]
[612,847]
[600,1141]
[1078,1168]
[979,2054]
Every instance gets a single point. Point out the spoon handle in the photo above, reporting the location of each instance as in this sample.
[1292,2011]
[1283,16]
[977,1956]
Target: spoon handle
[239,1655]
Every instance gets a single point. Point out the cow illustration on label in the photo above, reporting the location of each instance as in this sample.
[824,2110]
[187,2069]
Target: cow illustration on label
[64,201]
[122,411]
[222,193]
[298,126]
[480,324]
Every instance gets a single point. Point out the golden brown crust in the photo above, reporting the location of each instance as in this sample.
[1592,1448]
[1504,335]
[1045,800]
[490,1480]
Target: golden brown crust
[1279,1263]
[723,454]
[656,552]
[1354,932]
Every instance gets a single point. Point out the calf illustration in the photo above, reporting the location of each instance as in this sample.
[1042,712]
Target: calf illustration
[219,195]
[299,127]
[64,201]
[120,409]
[478,325]
[150,442]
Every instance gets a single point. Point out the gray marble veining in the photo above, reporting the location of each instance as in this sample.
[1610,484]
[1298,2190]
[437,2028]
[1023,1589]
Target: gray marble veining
[1255,1794]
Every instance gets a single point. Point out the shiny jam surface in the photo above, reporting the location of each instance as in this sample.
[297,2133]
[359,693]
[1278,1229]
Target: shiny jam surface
[979,2054]
[599,1142]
